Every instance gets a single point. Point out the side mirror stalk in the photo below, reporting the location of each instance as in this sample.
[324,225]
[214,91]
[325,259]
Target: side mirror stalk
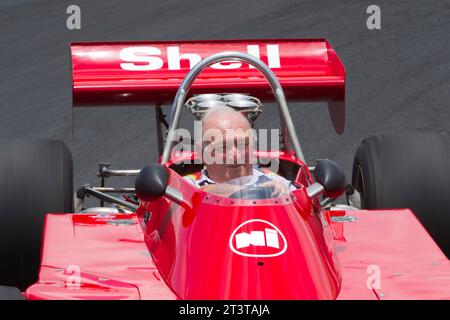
[177,197]
[314,190]
[330,180]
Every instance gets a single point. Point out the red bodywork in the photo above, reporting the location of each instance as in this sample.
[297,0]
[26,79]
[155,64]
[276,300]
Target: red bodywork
[186,253]
[165,251]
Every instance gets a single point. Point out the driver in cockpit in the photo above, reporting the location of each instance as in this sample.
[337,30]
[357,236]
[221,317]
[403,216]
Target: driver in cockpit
[227,149]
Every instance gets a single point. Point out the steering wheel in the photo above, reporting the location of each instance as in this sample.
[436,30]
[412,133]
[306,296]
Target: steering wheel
[254,193]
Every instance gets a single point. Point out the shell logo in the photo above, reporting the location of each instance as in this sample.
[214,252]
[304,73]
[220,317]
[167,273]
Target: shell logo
[258,238]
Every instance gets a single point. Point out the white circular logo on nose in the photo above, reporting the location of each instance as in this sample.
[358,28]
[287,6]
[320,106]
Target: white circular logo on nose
[258,238]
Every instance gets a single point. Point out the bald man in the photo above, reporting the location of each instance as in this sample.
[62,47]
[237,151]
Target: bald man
[227,145]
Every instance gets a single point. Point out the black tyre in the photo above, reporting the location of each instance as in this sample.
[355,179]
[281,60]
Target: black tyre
[408,171]
[35,179]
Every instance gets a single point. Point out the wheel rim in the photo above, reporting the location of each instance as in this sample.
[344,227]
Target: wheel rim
[359,185]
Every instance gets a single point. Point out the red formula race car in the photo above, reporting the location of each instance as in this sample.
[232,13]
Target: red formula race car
[166,238]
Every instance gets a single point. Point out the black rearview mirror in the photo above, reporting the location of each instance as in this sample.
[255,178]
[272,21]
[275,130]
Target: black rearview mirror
[331,177]
[152,181]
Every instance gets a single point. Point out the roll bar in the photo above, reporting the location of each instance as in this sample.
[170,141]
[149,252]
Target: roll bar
[184,87]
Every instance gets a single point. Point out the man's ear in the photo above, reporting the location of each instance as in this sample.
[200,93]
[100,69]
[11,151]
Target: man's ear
[198,149]
[253,146]
[254,139]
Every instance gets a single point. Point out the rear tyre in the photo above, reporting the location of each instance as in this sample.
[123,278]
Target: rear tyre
[407,171]
[35,179]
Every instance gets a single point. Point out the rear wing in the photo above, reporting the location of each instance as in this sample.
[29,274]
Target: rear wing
[150,72]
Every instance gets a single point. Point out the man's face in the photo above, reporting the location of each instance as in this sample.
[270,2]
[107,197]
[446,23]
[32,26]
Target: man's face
[228,148]
[231,147]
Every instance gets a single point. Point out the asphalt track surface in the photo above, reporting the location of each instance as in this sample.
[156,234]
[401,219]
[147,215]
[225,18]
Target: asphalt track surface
[397,77]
